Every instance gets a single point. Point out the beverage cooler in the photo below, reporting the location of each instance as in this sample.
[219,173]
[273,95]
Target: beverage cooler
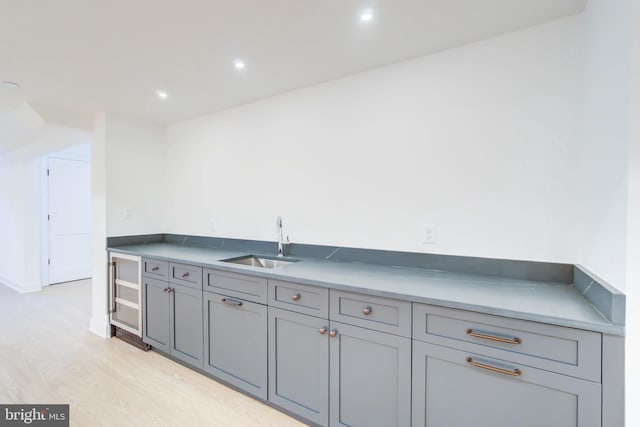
[125,297]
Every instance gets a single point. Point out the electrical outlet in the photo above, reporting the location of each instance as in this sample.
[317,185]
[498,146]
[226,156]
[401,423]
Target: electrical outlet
[127,213]
[428,234]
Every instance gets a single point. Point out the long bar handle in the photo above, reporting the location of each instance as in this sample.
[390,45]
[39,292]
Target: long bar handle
[232,302]
[113,286]
[514,373]
[514,340]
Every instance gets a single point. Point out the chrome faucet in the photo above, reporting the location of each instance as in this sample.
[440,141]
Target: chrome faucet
[281,241]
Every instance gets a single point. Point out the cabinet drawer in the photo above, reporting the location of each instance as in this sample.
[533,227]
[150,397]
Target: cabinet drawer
[300,298]
[564,350]
[155,268]
[462,388]
[250,288]
[382,314]
[184,274]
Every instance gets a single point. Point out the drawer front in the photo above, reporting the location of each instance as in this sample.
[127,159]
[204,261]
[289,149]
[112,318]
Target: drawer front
[378,313]
[250,288]
[565,350]
[299,298]
[184,274]
[155,268]
[462,388]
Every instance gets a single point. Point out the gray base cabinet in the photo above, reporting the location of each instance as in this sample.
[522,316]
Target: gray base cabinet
[186,325]
[156,314]
[370,377]
[459,388]
[340,358]
[235,334]
[172,319]
[299,364]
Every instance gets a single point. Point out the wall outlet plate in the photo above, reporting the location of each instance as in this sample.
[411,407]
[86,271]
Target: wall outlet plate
[428,234]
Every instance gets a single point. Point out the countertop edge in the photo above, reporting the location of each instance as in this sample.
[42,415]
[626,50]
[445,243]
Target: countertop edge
[604,327]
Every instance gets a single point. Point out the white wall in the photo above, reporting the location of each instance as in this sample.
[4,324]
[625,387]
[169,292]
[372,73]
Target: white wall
[633,241]
[128,167]
[135,170]
[11,225]
[605,138]
[479,140]
[99,323]
[21,189]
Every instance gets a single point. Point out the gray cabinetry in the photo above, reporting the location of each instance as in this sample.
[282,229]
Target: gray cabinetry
[235,335]
[334,373]
[156,314]
[370,377]
[186,324]
[248,288]
[502,372]
[172,313]
[460,388]
[378,313]
[299,364]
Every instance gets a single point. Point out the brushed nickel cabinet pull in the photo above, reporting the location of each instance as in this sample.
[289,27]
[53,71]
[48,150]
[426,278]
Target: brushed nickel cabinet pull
[367,311]
[232,302]
[515,340]
[514,373]
[296,297]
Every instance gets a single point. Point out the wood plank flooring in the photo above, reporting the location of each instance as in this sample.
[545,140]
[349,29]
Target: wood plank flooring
[47,355]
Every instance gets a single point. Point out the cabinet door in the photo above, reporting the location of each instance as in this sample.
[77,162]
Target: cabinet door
[155,311]
[449,391]
[370,377]
[236,342]
[299,364]
[186,324]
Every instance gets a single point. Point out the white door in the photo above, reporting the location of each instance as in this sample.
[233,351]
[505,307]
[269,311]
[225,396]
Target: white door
[69,220]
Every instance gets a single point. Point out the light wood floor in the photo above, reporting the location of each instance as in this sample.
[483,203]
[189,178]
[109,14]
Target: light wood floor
[47,355]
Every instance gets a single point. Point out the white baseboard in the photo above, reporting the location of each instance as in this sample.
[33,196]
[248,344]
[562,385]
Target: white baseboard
[23,289]
[100,326]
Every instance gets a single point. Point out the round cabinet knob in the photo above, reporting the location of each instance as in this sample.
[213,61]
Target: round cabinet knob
[156,268]
[333,333]
[185,274]
[165,290]
[323,330]
[295,297]
[367,311]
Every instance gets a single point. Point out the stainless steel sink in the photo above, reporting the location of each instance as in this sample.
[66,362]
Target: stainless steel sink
[263,262]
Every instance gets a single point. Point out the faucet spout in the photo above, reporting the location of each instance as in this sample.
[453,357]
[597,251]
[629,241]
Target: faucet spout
[281,241]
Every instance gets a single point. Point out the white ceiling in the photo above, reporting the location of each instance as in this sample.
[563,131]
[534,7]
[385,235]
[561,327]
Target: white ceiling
[96,55]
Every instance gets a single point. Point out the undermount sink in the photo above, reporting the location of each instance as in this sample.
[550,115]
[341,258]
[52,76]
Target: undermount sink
[263,262]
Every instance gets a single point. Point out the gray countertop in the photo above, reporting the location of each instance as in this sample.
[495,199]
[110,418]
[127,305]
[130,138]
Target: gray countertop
[553,303]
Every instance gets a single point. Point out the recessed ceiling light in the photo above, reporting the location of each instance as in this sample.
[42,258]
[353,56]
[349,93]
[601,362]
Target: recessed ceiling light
[11,85]
[366,16]
[162,94]
[239,64]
